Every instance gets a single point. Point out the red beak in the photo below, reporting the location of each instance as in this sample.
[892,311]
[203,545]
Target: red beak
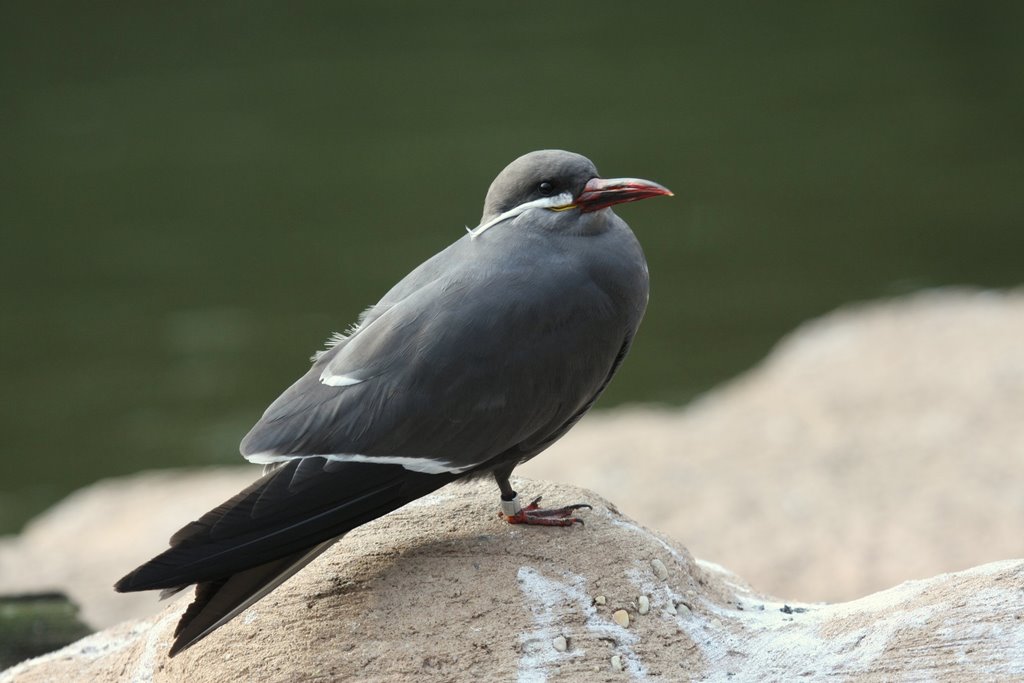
[600,193]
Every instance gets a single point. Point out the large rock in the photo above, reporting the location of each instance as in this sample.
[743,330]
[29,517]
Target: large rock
[82,545]
[444,590]
[880,443]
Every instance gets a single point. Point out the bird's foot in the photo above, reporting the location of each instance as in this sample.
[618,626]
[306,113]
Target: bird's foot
[514,513]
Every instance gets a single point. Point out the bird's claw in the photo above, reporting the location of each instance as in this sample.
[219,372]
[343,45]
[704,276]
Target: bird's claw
[534,514]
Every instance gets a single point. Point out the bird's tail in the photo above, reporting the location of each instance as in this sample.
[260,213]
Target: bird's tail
[218,602]
[249,545]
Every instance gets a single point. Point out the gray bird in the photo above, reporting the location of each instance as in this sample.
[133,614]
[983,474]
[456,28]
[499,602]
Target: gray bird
[475,362]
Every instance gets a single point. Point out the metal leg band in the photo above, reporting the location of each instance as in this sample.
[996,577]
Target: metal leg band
[511,508]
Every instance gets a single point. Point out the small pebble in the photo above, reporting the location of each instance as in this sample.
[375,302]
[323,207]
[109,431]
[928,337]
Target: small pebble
[659,569]
[621,617]
[643,604]
[560,644]
[617,662]
[600,600]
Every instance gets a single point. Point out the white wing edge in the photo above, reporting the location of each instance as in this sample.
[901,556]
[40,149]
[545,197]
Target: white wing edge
[424,465]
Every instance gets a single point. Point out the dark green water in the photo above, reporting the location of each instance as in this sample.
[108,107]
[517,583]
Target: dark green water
[192,197]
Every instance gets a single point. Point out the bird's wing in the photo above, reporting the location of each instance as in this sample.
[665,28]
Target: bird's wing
[454,374]
[464,371]
[442,383]
[292,508]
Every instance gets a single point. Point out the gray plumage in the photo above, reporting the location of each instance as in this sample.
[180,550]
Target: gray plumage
[476,361]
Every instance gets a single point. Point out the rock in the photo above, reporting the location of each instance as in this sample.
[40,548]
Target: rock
[643,605]
[368,610]
[621,617]
[560,644]
[879,443]
[659,569]
[82,545]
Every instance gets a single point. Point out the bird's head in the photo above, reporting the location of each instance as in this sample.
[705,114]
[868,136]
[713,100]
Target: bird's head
[557,181]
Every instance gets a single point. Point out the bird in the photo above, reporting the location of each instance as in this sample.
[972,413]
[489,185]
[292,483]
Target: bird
[479,359]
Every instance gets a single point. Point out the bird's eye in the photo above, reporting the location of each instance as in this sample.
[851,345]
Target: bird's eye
[545,188]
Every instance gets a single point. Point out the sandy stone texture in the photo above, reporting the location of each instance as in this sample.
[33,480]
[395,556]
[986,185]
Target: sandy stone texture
[880,443]
[82,545]
[443,590]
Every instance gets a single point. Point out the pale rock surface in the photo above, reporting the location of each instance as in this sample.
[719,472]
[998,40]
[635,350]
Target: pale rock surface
[82,545]
[880,443]
[444,590]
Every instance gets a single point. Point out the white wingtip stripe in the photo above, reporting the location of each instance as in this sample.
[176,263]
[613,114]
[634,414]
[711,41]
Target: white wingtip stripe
[266,458]
[338,380]
[424,465]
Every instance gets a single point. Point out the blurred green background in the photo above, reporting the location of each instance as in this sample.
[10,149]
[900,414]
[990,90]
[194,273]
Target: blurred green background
[195,195]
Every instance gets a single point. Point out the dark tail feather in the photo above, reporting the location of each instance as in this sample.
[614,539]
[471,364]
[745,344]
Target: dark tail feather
[247,546]
[218,602]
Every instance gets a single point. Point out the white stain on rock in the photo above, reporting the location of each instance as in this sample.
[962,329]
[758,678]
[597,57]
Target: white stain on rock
[552,601]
